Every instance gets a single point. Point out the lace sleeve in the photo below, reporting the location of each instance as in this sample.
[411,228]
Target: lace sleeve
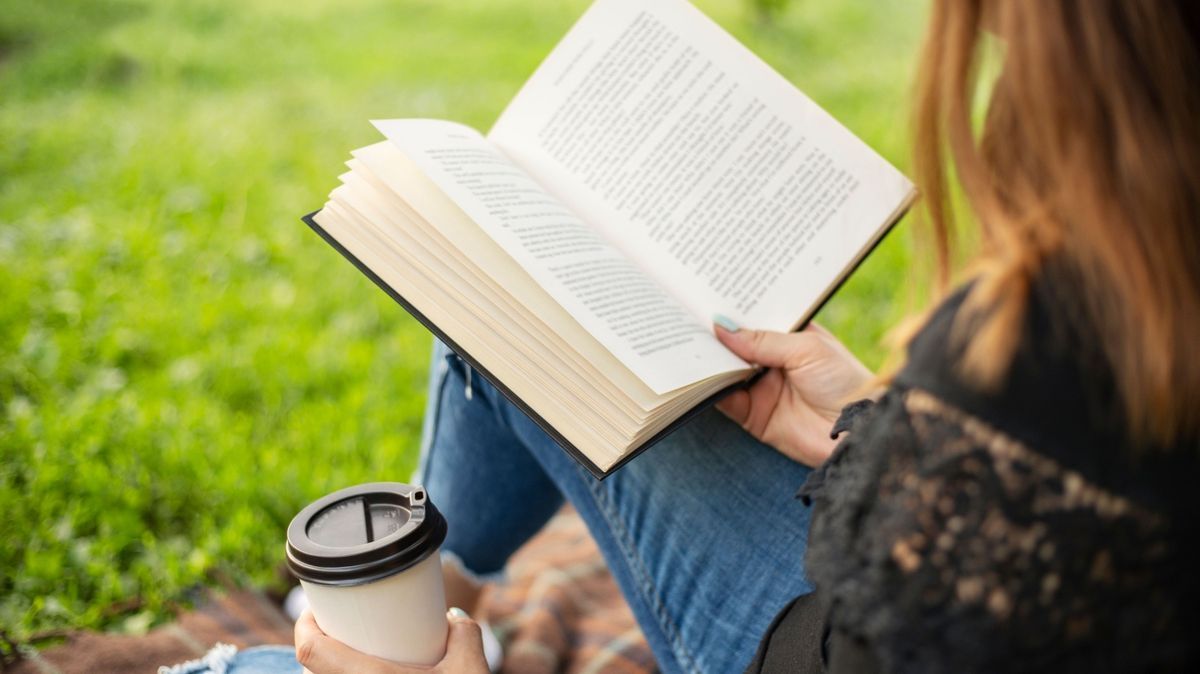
[944,545]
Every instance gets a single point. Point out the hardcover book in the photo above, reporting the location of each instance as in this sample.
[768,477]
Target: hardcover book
[651,173]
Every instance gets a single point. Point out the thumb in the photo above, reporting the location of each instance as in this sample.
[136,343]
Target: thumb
[763,347]
[464,647]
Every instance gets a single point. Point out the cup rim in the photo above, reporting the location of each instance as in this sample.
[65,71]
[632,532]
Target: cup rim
[412,543]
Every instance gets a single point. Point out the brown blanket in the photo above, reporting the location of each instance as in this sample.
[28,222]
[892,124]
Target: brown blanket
[242,618]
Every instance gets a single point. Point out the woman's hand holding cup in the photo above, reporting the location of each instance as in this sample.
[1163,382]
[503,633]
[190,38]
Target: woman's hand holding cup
[795,403]
[321,654]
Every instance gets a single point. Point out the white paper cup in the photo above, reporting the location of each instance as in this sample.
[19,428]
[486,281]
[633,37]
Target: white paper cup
[367,557]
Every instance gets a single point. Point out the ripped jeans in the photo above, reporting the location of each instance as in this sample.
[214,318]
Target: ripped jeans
[225,659]
[701,532]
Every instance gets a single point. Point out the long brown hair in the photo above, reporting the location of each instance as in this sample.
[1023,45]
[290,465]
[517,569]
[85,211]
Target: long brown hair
[1089,155]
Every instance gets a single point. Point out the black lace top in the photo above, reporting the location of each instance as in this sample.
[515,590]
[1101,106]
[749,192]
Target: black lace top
[955,531]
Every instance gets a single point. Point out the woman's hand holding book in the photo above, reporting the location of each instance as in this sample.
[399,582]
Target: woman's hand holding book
[795,403]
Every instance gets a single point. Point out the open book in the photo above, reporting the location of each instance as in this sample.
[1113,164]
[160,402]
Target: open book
[651,173]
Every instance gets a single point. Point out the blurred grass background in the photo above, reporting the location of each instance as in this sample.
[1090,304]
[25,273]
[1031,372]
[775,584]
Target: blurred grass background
[183,364]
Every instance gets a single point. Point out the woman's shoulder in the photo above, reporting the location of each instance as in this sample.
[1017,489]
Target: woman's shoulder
[1058,396]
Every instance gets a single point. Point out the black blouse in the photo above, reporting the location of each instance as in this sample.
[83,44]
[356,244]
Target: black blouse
[1014,530]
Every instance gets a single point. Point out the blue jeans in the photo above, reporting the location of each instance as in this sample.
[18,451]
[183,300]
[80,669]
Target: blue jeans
[701,532]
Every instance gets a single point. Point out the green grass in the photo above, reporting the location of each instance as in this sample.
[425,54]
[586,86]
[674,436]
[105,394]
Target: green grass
[182,363]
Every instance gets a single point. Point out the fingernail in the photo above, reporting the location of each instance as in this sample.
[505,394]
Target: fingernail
[726,322]
[456,612]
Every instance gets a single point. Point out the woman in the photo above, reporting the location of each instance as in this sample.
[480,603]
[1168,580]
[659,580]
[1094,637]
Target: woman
[1018,495]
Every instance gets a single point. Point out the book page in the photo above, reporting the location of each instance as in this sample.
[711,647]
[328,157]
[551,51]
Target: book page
[646,328]
[702,164]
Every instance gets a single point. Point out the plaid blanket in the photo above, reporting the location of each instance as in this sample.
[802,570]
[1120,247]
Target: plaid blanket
[559,611]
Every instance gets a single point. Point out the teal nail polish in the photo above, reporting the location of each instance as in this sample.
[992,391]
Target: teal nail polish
[726,322]
[457,612]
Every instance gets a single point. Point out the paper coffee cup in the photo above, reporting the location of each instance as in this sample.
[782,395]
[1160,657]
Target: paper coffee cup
[367,557]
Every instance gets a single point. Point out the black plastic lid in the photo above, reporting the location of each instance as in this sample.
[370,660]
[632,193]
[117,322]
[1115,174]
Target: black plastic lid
[363,533]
